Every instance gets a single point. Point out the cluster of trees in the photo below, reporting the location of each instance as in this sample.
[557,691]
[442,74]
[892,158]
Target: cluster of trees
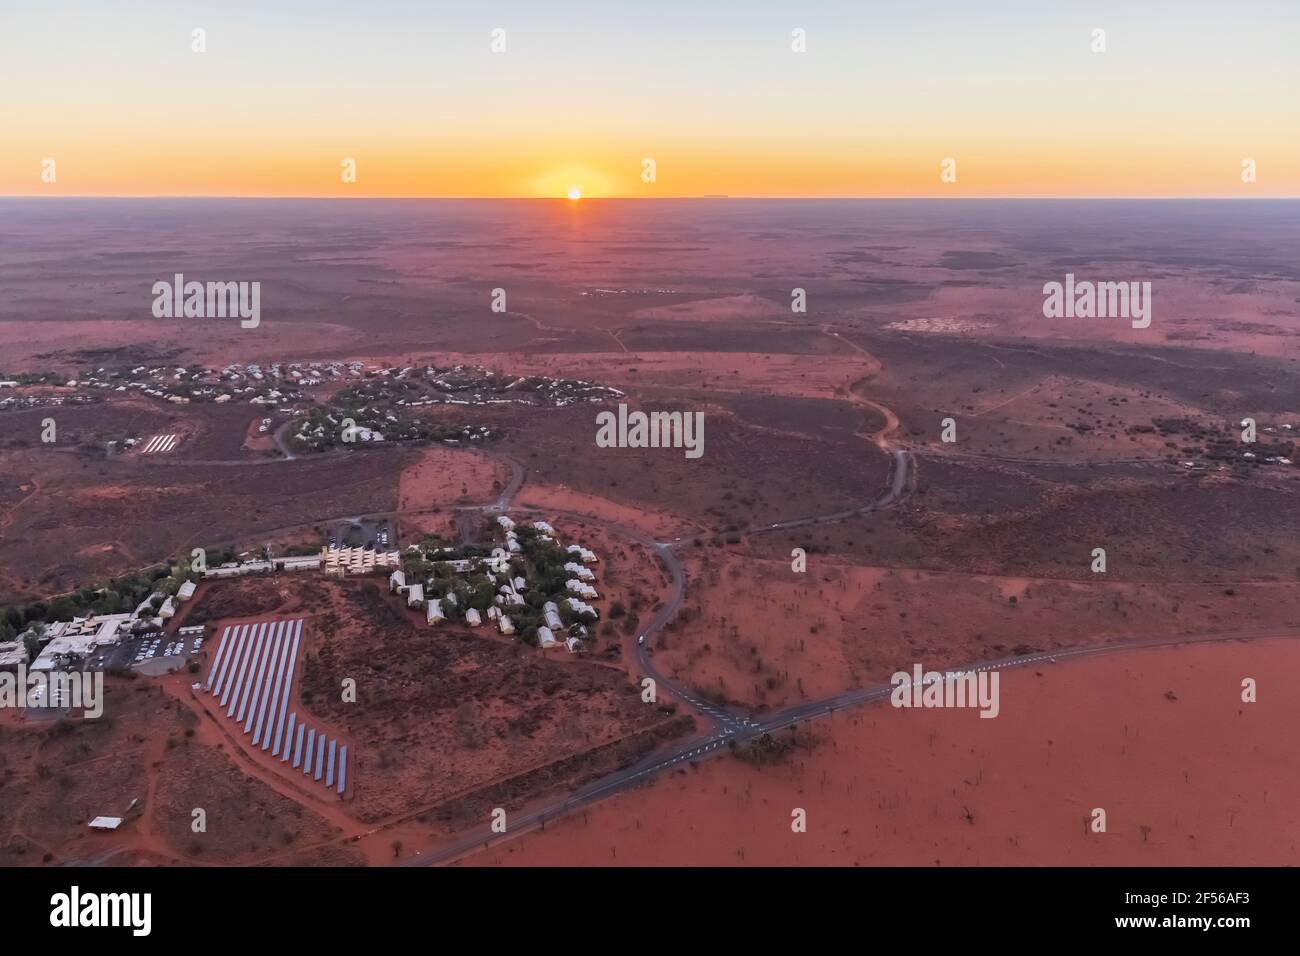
[539,562]
[118,596]
[324,429]
[35,378]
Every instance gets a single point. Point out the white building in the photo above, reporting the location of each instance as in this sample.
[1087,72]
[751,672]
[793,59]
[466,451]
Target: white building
[396,581]
[185,591]
[80,638]
[582,572]
[545,638]
[341,561]
[238,570]
[506,626]
[297,562]
[433,612]
[12,654]
[577,587]
[543,527]
[460,565]
[587,557]
[473,618]
[505,522]
[581,607]
[415,595]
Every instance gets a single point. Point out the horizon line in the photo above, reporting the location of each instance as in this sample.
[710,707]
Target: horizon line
[694,197]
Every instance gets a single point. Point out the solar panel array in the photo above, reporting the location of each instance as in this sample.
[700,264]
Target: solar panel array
[250,679]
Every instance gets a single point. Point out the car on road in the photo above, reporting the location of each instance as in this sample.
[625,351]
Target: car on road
[641,639]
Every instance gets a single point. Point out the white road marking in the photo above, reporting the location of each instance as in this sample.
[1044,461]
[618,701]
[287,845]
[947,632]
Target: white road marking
[159,444]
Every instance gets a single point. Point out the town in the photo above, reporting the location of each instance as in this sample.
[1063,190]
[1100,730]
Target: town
[529,587]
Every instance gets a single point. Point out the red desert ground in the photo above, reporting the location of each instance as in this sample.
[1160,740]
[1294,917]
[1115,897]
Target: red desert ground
[828,534]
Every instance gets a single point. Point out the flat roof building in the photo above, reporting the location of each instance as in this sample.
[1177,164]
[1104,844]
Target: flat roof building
[12,655]
[79,639]
[341,561]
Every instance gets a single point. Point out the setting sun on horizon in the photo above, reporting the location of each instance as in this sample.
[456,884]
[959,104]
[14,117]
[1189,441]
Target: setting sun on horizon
[836,101]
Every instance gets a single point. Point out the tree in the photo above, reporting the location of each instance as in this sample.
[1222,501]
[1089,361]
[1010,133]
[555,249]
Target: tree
[63,609]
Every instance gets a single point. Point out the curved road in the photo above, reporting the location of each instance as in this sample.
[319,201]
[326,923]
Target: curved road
[748,728]
[727,727]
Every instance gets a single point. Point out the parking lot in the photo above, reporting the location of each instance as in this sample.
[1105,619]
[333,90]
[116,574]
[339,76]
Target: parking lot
[153,646]
[364,533]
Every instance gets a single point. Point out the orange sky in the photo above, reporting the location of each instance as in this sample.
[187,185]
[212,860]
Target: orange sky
[276,101]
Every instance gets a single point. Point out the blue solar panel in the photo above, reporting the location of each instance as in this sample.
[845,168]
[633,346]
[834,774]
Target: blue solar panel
[256,675]
[215,672]
[246,673]
[343,767]
[329,765]
[286,688]
[228,679]
[320,755]
[288,737]
[307,757]
[272,669]
[297,750]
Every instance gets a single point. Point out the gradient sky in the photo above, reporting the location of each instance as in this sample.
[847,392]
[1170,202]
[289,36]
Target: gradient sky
[710,90]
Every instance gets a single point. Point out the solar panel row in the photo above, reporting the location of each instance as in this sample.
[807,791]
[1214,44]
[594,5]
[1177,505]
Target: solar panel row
[251,677]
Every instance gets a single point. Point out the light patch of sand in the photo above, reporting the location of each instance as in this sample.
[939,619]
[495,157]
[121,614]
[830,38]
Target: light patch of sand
[446,476]
[946,326]
[722,309]
[562,498]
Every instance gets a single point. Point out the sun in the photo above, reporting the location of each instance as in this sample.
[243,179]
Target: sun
[575,193]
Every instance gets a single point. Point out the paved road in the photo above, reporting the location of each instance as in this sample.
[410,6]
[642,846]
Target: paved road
[898,483]
[727,726]
[747,728]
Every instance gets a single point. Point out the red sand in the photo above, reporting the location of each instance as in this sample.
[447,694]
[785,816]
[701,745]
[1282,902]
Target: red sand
[443,476]
[1198,778]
